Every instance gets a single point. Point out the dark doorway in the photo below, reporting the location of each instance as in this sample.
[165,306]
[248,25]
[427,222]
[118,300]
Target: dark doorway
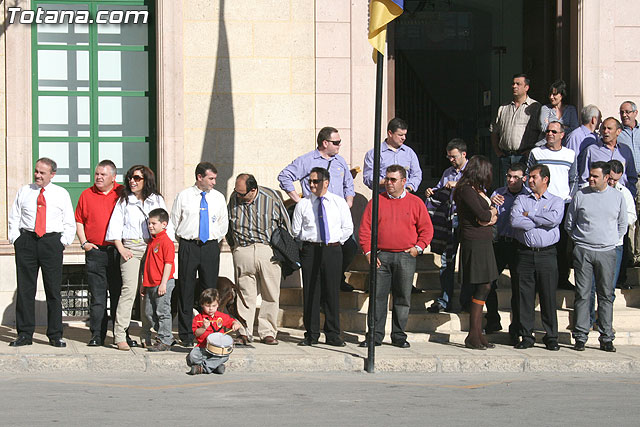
[453,61]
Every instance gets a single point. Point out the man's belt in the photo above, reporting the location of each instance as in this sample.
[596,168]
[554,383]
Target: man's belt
[198,241]
[321,244]
[528,248]
[32,233]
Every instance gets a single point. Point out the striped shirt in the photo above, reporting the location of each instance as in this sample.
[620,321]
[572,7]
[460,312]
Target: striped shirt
[254,222]
[563,168]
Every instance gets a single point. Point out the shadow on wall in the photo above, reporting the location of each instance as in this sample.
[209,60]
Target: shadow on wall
[219,138]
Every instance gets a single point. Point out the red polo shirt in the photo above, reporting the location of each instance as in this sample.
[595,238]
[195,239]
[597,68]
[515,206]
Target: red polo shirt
[94,210]
[160,251]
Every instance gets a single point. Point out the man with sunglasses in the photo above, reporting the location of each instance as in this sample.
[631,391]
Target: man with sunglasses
[254,213]
[393,151]
[563,167]
[404,231]
[341,183]
[322,221]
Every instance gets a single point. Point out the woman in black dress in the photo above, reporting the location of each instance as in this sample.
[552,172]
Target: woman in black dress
[475,217]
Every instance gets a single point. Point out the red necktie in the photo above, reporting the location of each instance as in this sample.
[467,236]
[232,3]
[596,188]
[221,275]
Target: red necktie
[41,215]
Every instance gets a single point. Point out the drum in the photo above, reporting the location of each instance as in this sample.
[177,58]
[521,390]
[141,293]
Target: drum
[219,344]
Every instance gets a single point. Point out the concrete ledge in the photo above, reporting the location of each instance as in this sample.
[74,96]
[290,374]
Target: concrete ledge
[427,357]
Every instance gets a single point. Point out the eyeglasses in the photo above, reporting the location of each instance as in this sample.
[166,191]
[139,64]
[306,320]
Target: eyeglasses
[453,157]
[136,178]
[315,181]
[392,180]
[553,131]
[627,112]
[335,142]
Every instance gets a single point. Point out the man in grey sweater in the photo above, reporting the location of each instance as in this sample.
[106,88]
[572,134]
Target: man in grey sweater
[596,220]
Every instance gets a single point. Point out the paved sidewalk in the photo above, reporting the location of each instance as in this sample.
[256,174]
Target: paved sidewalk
[289,357]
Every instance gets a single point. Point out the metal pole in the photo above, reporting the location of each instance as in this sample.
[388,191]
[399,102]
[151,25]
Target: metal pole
[371,329]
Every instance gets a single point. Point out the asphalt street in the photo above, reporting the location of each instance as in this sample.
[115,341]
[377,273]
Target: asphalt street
[287,399]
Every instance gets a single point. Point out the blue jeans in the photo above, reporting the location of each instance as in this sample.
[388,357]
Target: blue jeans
[615,280]
[447,270]
[158,311]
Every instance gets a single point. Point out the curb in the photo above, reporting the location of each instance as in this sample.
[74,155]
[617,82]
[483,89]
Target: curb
[332,363]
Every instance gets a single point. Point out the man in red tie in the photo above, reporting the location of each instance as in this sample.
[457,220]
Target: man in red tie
[41,224]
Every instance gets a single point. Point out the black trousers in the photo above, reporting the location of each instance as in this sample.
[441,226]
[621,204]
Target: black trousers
[321,275]
[203,259]
[103,276]
[33,253]
[538,272]
[506,253]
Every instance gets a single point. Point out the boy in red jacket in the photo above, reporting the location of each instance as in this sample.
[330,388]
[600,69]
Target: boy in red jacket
[204,324]
[157,280]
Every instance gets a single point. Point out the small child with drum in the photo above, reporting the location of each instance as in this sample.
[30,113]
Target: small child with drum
[214,345]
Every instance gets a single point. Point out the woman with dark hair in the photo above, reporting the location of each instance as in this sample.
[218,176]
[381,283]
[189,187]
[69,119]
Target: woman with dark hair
[557,110]
[129,231]
[475,218]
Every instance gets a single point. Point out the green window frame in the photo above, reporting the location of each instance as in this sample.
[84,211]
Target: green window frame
[96,95]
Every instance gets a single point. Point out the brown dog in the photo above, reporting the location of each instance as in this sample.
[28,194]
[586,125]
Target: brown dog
[229,294]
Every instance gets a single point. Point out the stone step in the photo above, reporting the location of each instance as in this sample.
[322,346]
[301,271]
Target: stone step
[359,300]
[624,320]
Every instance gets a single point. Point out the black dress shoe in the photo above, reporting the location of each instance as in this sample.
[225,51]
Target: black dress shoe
[185,343]
[132,342]
[58,342]
[552,345]
[415,290]
[579,346]
[366,344]
[307,342]
[624,286]
[608,347]
[20,341]
[94,342]
[492,328]
[524,344]
[401,344]
[336,342]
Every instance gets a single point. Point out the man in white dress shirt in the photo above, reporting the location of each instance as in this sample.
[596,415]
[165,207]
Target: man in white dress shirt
[41,224]
[200,219]
[322,221]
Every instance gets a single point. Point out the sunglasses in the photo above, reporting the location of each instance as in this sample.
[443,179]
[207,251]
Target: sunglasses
[239,194]
[315,181]
[390,179]
[335,142]
[136,178]
[553,131]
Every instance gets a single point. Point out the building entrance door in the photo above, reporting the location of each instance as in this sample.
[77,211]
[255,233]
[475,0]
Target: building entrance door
[451,62]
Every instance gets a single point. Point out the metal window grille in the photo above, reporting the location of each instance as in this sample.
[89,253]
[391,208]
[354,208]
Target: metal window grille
[74,292]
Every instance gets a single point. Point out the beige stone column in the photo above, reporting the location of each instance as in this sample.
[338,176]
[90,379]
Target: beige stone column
[170,99]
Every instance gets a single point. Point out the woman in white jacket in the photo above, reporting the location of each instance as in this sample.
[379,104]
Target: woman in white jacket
[129,231]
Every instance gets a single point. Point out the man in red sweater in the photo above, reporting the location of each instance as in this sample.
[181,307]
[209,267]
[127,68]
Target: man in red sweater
[404,231]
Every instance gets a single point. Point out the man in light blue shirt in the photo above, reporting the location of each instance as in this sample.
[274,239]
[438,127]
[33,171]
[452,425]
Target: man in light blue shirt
[630,136]
[341,183]
[393,151]
[608,148]
[585,135]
